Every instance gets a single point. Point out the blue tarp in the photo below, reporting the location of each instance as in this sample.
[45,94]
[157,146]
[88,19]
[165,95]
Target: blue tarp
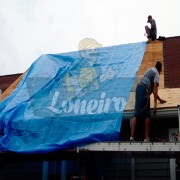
[69,99]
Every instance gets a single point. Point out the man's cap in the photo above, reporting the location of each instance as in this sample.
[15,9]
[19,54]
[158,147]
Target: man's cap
[149,18]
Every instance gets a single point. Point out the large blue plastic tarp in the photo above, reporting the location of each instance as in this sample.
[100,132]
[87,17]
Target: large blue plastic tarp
[65,100]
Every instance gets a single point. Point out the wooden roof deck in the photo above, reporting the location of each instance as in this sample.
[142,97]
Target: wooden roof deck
[154,52]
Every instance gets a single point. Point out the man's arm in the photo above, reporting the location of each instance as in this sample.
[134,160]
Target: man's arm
[153,25]
[156,97]
[155,92]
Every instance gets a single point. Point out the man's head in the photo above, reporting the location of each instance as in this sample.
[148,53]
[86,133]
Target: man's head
[159,66]
[149,19]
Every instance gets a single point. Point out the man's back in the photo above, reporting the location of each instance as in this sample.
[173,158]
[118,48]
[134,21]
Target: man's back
[153,26]
[150,76]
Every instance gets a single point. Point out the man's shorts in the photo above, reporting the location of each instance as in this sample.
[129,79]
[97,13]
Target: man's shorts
[142,102]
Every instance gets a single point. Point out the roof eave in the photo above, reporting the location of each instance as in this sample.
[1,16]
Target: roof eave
[161,113]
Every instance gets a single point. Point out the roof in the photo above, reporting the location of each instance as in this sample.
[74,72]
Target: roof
[169,88]
[154,51]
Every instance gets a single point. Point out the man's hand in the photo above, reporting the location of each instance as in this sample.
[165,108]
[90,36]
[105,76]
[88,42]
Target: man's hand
[162,101]
[155,109]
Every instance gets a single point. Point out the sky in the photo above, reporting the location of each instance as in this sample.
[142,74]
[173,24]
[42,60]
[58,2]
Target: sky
[31,28]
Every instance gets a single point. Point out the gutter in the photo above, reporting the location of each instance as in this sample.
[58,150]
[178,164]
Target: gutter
[161,113]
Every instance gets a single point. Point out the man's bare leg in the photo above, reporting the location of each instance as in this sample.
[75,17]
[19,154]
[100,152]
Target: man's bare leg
[147,30]
[147,126]
[133,127]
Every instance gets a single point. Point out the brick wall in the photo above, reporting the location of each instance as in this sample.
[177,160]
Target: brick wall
[171,53]
[7,80]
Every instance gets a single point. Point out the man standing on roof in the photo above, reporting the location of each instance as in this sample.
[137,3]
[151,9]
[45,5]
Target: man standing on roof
[151,32]
[147,85]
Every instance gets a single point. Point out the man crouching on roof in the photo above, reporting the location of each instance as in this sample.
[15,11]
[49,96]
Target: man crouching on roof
[147,85]
[151,32]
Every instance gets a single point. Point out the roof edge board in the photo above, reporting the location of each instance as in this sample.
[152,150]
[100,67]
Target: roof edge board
[172,37]
[161,113]
[11,75]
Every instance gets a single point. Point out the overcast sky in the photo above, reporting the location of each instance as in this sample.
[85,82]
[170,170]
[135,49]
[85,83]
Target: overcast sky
[30,28]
